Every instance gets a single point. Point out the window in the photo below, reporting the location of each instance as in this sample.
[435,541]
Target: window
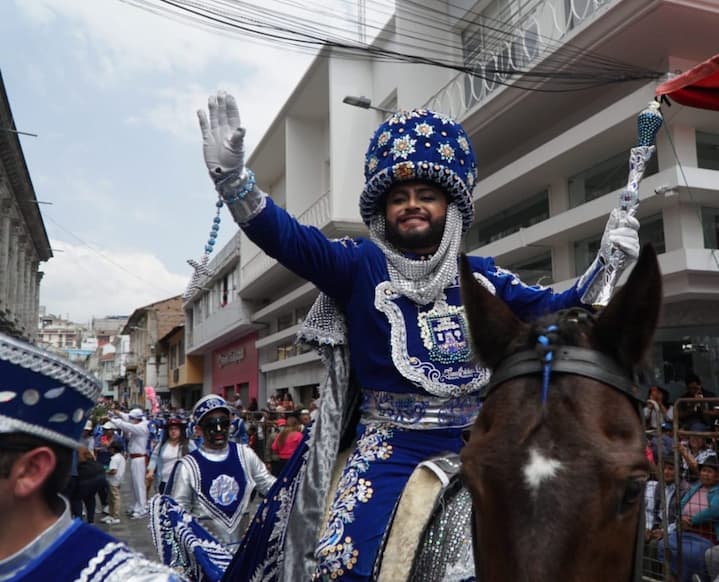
[224,292]
[707,151]
[651,230]
[286,351]
[531,211]
[710,226]
[602,178]
[285,321]
[584,253]
[534,271]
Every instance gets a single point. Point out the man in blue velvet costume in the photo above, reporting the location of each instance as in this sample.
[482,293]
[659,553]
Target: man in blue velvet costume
[392,302]
[44,404]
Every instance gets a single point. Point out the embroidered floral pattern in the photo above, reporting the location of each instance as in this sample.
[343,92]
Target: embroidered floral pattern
[446,151]
[403,147]
[383,138]
[335,551]
[443,118]
[372,163]
[463,143]
[423,129]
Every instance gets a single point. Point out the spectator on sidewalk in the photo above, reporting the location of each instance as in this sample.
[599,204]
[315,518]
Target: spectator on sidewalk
[90,479]
[115,474]
[286,443]
[173,446]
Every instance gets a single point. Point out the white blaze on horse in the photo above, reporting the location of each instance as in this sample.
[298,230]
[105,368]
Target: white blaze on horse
[555,462]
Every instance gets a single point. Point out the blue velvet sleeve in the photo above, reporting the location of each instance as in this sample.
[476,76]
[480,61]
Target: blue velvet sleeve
[530,302]
[305,250]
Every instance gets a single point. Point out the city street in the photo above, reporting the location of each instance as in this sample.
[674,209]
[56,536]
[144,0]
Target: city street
[134,532]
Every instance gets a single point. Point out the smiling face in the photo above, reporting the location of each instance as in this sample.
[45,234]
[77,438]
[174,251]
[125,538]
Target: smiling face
[415,214]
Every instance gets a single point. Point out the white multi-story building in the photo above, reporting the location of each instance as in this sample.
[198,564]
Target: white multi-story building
[551,164]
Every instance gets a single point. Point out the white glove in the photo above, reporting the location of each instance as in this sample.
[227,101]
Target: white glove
[622,232]
[222,138]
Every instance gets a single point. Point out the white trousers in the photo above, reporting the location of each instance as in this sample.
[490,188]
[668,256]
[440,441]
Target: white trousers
[137,480]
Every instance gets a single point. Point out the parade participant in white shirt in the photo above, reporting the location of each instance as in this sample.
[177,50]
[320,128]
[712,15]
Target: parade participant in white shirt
[135,428]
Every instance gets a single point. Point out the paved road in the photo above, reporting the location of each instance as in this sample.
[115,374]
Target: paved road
[134,532]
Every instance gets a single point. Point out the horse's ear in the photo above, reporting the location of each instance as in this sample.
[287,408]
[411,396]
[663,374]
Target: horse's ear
[626,326]
[492,324]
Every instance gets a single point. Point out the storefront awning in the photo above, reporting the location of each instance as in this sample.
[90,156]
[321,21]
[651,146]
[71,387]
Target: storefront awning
[697,87]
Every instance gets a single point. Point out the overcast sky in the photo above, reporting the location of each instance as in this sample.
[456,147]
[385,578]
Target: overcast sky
[112,92]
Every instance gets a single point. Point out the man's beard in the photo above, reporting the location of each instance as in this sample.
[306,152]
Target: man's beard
[415,240]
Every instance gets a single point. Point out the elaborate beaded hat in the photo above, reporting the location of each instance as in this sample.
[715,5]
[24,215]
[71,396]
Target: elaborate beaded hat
[207,404]
[420,145]
[42,394]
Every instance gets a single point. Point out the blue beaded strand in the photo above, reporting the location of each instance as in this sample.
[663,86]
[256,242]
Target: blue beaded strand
[215,228]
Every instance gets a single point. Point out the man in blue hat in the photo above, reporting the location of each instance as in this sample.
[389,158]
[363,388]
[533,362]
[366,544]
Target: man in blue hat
[395,299]
[44,404]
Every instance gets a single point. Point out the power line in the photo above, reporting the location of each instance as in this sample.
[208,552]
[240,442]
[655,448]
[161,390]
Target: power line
[108,259]
[323,28]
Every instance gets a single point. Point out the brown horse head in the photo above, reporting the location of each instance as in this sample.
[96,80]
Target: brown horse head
[557,473]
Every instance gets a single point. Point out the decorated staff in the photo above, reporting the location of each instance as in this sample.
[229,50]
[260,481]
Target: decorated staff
[648,123]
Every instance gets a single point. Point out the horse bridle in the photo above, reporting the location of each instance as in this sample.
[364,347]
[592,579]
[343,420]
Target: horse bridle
[585,362]
[568,360]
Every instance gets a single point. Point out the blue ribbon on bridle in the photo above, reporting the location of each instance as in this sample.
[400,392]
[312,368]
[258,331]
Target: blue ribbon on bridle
[546,354]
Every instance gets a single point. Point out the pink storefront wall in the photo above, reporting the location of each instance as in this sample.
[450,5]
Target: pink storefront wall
[235,364]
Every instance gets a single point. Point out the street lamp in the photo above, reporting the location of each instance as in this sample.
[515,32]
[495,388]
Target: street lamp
[365,103]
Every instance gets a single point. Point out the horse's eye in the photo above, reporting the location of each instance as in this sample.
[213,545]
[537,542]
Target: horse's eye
[633,491]
[466,433]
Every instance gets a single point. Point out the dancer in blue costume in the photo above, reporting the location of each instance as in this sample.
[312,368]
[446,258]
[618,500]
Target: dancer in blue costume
[391,314]
[44,403]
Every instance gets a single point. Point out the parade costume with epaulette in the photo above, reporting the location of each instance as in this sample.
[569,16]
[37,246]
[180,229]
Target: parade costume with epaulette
[391,329]
[79,551]
[48,398]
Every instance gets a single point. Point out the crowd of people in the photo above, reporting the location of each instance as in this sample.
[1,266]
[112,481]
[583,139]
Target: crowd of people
[149,445]
[682,501]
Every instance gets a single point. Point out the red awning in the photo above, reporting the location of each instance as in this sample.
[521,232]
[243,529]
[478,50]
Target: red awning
[698,87]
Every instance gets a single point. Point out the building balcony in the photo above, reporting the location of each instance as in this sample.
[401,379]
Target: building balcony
[225,324]
[259,272]
[190,372]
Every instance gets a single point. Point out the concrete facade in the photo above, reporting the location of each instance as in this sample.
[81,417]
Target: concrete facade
[548,165]
[24,243]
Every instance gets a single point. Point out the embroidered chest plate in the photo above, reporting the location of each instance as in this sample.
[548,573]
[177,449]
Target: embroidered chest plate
[431,349]
[443,330]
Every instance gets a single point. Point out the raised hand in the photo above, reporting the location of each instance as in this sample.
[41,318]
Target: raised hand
[621,232]
[222,136]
